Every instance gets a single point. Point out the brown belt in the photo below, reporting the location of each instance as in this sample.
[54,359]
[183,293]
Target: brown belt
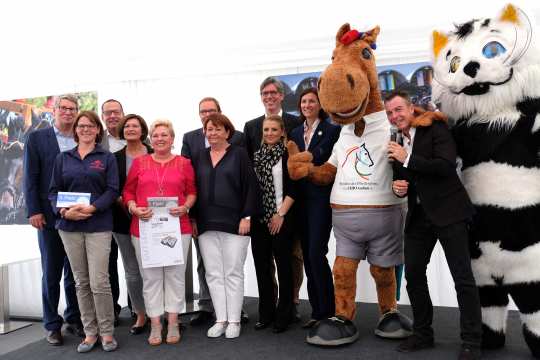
[338,206]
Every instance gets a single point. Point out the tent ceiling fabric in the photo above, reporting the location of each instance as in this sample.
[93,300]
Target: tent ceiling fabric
[51,46]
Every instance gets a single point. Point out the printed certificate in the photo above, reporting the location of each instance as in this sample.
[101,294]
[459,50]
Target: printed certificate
[160,237]
[67,199]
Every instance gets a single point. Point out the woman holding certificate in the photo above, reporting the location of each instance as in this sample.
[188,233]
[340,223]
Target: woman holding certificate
[83,187]
[159,185]
[227,198]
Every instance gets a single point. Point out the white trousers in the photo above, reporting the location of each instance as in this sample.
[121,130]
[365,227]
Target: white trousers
[164,288]
[224,256]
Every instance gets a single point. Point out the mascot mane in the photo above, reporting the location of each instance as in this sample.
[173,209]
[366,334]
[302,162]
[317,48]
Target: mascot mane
[485,67]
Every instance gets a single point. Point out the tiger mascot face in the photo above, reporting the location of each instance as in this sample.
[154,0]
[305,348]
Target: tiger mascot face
[485,67]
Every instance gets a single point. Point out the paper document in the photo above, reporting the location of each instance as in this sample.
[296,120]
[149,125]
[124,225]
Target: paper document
[160,237]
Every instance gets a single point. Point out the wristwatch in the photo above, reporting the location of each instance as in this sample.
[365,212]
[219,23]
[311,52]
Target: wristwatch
[187,208]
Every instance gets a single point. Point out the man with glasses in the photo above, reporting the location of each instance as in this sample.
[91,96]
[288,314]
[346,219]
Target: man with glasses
[272,94]
[192,143]
[112,113]
[40,152]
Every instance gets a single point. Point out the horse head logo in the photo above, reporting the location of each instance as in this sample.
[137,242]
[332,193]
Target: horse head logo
[362,161]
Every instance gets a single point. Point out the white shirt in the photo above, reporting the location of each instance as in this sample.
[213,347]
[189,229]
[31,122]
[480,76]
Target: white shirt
[114,143]
[364,174]
[277,174]
[408,145]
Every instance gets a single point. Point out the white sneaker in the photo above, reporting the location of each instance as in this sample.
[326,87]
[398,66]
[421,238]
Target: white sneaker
[233,331]
[217,330]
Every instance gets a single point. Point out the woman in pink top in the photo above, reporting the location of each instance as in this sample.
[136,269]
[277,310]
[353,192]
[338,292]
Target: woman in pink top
[161,174]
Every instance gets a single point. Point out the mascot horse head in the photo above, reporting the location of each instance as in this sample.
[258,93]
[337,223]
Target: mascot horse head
[349,87]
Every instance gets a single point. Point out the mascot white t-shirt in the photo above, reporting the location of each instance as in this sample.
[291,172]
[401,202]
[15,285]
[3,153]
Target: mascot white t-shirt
[364,173]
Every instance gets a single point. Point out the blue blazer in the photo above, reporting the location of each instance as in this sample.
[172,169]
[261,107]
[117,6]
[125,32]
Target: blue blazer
[40,151]
[320,147]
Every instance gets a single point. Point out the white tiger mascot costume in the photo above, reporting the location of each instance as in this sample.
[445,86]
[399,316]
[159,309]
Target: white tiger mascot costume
[487,79]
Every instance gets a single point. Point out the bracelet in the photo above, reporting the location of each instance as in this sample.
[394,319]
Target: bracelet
[187,208]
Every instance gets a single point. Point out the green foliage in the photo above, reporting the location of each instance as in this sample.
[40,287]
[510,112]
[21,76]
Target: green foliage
[88,101]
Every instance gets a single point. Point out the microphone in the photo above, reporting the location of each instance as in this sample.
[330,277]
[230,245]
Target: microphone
[396,135]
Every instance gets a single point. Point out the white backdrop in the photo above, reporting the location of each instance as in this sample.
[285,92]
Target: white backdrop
[160,58]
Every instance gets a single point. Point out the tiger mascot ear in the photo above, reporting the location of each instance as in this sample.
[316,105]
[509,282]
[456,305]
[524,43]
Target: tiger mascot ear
[510,14]
[438,42]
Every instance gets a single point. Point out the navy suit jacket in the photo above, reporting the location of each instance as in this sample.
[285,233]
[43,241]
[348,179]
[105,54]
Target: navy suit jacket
[40,152]
[193,142]
[320,147]
[253,130]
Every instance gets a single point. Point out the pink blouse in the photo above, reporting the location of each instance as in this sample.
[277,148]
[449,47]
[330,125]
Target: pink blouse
[147,176]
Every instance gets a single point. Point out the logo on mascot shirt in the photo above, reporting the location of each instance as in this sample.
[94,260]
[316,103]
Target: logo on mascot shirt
[359,159]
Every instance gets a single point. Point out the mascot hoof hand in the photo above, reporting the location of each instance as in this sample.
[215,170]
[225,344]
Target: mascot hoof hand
[492,340]
[333,331]
[394,325]
[299,163]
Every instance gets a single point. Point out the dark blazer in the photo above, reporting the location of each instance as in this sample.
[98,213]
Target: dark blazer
[193,142]
[432,177]
[320,147]
[253,130]
[122,220]
[40,152]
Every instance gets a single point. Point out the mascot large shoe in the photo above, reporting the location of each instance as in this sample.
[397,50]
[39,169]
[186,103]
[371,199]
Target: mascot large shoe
[487,79]
[361,193]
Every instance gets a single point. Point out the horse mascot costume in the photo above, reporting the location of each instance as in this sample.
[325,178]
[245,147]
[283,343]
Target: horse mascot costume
[364,209]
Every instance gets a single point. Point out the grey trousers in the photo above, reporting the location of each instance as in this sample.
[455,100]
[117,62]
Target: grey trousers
[134,281]
[88,254]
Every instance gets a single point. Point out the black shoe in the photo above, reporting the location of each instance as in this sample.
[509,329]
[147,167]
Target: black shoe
[469,352]
[279,328]
[76,329]
[244,318]
[259,325]
[309,324]
[54,338]
[415,343]
[136,330]
[201,318]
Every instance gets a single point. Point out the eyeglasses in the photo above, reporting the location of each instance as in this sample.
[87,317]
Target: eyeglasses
[66,109]
[86,127]
[209,111]
[111,112]
[269,93]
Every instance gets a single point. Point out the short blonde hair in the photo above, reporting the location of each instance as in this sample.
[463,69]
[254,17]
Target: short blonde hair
[162,122]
